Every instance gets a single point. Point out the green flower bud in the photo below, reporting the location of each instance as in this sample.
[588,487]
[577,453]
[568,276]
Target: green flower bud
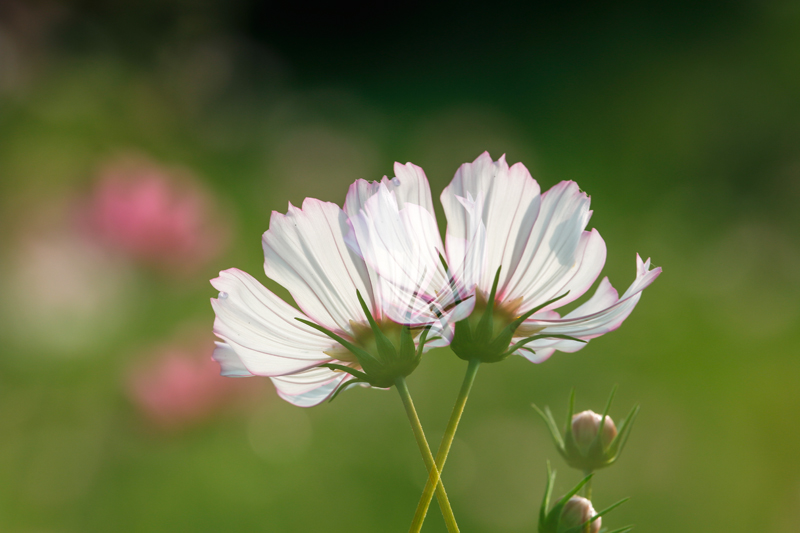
[586,425]
[577,511]
[572,513]
[591,441]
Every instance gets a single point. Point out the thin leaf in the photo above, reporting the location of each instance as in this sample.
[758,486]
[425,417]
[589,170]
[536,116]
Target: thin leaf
[596,439]
[608,509]
[624,432]
[526,340]
[385,346]
[514,325]
[551,425]
[344,385]
[352,371]
[358,352]
[548,492]
[484,328]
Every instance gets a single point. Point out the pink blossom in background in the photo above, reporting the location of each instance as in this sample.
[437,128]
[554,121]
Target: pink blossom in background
[154,215]
[179,384]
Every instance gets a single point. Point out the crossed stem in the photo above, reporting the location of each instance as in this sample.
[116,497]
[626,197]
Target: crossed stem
[434,481]
[427,456]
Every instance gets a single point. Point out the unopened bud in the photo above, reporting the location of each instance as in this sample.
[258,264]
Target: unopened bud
[585,427]
[576,512]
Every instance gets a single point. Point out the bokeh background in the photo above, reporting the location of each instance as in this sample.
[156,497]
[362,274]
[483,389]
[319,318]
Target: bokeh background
[144,144]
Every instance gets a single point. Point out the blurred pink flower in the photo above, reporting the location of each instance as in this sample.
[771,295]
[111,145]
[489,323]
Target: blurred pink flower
[154,215]
[180,384]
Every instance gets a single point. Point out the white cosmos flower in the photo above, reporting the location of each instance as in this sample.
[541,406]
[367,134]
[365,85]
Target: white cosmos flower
[498,220]
[315,255]
[545,252]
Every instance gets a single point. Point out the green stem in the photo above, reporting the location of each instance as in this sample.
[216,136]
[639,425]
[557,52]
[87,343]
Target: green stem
[587,493]
[427,456]
[587,489]
[444,447]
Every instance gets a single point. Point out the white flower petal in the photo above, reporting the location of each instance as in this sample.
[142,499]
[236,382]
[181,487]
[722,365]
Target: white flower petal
[511,205]
[557,255]
[305,251]
[467,256]
[231,366]
[403,247]
[309,388]
[410,185]
[602,313]
[261,328]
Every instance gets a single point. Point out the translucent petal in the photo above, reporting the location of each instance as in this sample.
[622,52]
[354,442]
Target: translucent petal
[602,313]
[410,185]
[558,255]
[231,366]
[261,328]
[511,201]
[305,251]
[309,388]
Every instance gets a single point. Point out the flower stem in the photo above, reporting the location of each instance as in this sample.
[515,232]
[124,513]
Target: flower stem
[444,447]
[427,456]
[587,489]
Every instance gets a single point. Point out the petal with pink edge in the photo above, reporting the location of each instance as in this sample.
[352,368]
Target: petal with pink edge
[511,199]
[262,329]
[602,313]
[309,388]
[231,366]
[558,255]
[305,251]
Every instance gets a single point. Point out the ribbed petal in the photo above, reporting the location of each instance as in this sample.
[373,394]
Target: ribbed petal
[305,251]
[510,207]
[558,255]
[467,256]
[410,185]
[602,313]
[231,366]
[261,329]
[403,247]
[309,388]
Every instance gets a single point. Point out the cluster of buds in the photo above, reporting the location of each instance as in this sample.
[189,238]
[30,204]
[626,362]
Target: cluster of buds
[591,441]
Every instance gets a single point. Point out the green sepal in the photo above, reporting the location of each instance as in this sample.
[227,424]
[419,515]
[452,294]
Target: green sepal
[548,492]
[386,349]
[518,322]
[596,446]
[342,368]
[423,338]
[345,385]
[526,340]
[623,432]
[553,518]
[547,416]
[361,355]
[483,331]
[581,528]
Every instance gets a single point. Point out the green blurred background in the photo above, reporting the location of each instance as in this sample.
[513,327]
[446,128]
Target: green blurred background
[681,121]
